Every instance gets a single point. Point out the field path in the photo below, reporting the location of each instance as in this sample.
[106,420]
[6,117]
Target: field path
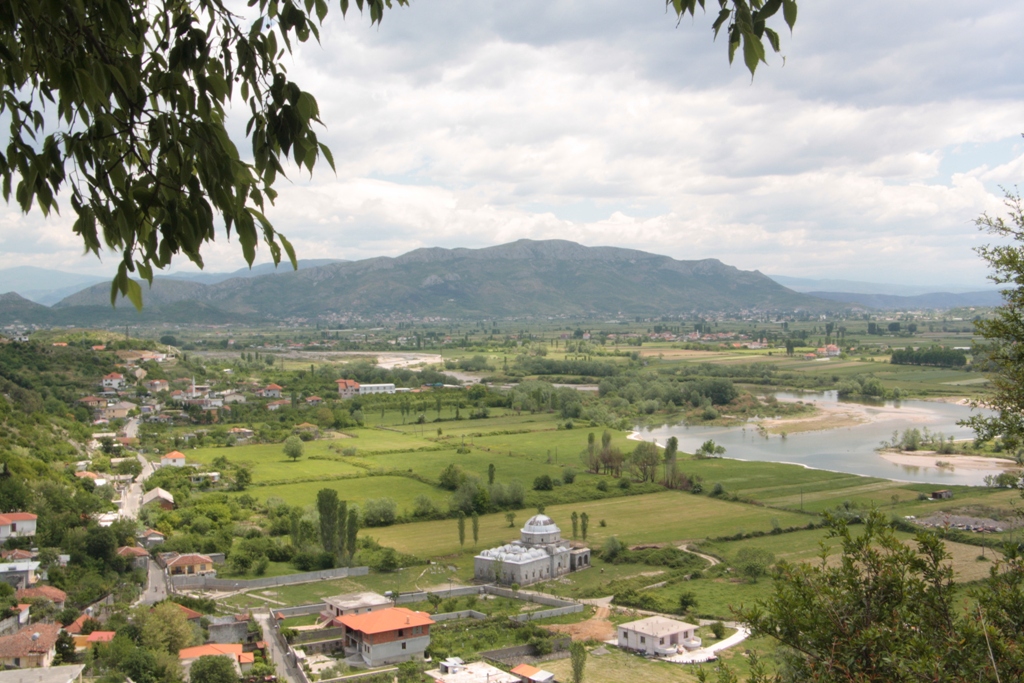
[712,560]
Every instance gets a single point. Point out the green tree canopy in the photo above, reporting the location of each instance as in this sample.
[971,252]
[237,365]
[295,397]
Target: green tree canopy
[212,669]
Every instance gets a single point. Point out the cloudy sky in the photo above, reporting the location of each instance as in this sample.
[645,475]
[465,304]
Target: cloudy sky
[864,155]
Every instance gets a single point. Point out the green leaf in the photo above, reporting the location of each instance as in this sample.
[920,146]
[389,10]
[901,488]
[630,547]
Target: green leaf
[753,51]
[134,293]
[789,12]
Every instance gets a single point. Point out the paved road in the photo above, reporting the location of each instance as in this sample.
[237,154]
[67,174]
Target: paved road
[285,671]
[133,495]
[131,428]
[156,587]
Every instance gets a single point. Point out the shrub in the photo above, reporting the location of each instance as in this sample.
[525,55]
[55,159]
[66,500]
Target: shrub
[625,483]
[717,489]
[543,483]
[718,630]
[379,512]
[602,485]
[568,475]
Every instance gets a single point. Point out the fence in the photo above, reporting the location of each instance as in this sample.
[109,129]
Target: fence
[517,653]
[547,613]
[301,610]
[420,596]
[464,614]
[210,583]
[318,635]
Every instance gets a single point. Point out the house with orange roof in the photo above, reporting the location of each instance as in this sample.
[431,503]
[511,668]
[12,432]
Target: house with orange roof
[347,388]
[242,661]
[138,556]
[190,614]
[16,525]
[75,627]
[271,391]
[191,564]
[150,538]
[386,636]
[54,595]
[173,459]
[277,405]
[313,400]
[531,674]
[31,647]
[100,637]
[114,380]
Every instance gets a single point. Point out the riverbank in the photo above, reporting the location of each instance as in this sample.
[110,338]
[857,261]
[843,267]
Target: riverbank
[948,462]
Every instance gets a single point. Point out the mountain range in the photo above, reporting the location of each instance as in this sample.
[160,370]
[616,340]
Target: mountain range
[524,278]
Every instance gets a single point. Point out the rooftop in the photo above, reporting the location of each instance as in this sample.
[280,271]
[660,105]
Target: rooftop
[657,626]
[25,642]
[49,592]
[350,601]
[213,649]
[385,620]
[52,674]
[540,524]
[474,672]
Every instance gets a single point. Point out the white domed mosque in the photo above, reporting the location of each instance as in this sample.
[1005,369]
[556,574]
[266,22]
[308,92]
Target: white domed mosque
[539,554]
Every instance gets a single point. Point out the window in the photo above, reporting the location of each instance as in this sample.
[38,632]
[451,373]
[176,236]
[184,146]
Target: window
[642,640]
[403,646]
[401,632]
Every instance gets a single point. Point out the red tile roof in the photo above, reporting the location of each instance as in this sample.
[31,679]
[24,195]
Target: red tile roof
[212,649]
[188,560]
[132,551]
[75,627]
[175,455]
[8,517]
[100,636]
[272,387]
[385,620]
[49,592]
[525,670]
[21,644]
[190,614]
[15,555]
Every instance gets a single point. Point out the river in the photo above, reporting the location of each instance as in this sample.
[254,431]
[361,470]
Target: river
[851,450]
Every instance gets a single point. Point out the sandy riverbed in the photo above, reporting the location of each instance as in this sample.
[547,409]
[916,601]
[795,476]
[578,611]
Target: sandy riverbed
[963,462]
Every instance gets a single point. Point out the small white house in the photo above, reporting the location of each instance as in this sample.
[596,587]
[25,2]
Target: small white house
[17,524]
[173,459]
[658,636]
[114,380]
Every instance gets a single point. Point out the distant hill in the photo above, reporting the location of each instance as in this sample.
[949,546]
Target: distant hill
[524,278]
[16,308]
[44,285]
[261,269]
[934,300]
[810,285]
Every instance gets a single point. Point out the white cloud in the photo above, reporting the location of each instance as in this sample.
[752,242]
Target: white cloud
[473,123]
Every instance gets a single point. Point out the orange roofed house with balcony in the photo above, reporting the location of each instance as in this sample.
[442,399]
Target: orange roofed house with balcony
[347,388]
[386,636]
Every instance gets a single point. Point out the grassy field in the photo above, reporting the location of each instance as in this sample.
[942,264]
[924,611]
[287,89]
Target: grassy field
[667,516]
[400,489]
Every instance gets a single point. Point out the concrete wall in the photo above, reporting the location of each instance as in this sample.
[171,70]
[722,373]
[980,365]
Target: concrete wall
[392,652]
[464,614]
[421,596]
[528,596]
[229,632]
[301,610]
[210,583]
[9,625]
[320,634]
[546,613]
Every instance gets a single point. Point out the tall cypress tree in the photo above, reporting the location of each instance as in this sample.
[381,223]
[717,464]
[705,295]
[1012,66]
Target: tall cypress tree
[342,530]
[351,529]
[327,507]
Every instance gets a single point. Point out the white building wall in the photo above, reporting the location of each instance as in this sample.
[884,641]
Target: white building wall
[392,652]
[376,389]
